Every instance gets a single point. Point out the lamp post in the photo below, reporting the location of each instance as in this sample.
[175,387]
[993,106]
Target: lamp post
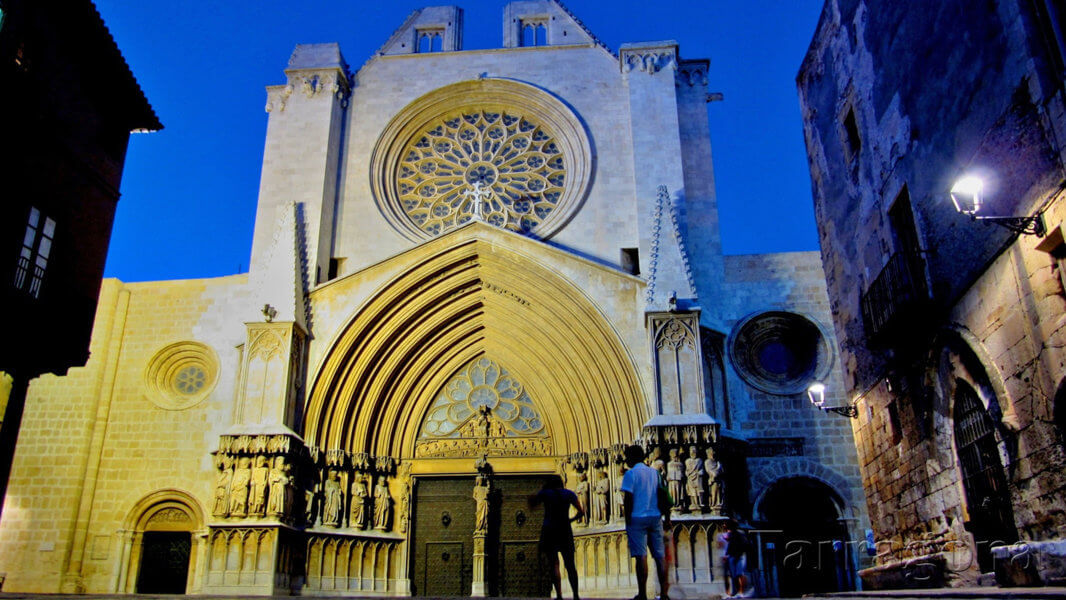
[966,195]
[816,394]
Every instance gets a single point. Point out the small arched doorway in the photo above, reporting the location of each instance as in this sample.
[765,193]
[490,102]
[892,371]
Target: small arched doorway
[805,550]
[991,517]
[162,544]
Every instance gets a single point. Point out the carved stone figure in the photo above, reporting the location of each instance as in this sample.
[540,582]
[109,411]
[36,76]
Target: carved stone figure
[481,497]
[382,502]
[311,503]
[258,488]
[675,472]
[404,507]
[222,486]
[333,502]
[603,490]
[694,479]
[582,492]
[619,497]
[288,490]
[714,473]
[657,462]
[238,496]
[278,481]
[360,498]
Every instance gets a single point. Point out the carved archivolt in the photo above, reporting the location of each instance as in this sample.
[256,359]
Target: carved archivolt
[511,149]
[180,375]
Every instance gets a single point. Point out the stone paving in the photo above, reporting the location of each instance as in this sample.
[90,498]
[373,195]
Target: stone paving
[986,593]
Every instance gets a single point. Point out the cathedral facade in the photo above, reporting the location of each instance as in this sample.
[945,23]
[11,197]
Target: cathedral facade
[470,270]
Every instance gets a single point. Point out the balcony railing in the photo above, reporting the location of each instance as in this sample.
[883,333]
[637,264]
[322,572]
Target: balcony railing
[897,295]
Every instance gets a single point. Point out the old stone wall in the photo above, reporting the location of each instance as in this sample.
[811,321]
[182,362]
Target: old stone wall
[926,303]
[98,440]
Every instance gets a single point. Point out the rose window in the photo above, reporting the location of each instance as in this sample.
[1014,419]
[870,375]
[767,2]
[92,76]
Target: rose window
[482,384]
[500,164]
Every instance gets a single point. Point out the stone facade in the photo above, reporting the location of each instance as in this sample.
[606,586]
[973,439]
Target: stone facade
[470,269]
[950,329]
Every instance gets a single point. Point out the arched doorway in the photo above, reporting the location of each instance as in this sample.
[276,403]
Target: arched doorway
[162,544]
[991,518]
[805,550]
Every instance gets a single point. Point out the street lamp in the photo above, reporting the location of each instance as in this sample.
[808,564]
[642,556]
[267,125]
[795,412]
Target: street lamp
[816,393]
[966,195]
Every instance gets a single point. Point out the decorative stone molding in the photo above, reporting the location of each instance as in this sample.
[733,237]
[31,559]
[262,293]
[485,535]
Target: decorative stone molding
[648,58]
[693,73]
[527,153]
[180,375]
[664,204]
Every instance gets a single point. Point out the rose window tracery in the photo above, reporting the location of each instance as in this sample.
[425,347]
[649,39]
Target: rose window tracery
[482,384]
[498,163]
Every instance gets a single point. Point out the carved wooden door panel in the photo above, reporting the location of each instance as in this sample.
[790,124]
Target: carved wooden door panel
[442,544]
[514,568]
[164,562]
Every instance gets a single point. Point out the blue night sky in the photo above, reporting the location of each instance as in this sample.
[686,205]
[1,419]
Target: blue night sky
[189,191]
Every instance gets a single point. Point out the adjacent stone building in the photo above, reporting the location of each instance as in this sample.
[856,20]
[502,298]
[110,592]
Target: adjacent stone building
[950,328]
[470,269]
[68,105]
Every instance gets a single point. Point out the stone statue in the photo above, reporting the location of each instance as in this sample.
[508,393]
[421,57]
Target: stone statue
[481,497]
[222,486]
[658,463]
[582,492]
[310,503]
[278,480]
[333,502]
[404,507]
[289,489]
[258,490]
[603,489]
[675,472]
[360,498]
[382,502]
[714,473]
[694,476]
[619,497]
[238,496]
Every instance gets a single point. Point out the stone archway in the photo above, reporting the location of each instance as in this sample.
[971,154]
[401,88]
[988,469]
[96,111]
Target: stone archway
[162,544]
[984,482]
[474,294]
[805,547]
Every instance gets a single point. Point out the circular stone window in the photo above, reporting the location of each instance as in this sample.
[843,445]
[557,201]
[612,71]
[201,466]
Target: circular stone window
[181,375]
[779,352]
[505,152]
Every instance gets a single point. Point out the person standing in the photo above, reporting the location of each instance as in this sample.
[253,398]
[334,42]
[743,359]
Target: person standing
[736,555]
[644,521]
[556,536]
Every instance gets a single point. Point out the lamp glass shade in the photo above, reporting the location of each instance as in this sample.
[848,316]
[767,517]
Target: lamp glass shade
[816,393]
[966,194]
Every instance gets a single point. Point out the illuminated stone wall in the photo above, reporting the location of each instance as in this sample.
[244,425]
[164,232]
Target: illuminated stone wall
[496,263]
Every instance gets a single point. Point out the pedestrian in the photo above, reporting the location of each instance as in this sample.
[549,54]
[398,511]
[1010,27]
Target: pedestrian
[644,521]
[736,556]
[556,537]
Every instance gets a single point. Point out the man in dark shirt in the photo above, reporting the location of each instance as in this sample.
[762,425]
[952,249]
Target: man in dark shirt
[736,555]
[556,536]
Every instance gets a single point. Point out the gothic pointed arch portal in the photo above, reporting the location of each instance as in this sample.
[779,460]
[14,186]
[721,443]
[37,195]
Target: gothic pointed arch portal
[471,295]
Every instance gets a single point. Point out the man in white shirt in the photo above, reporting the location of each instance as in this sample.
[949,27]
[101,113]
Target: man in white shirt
[644,522]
